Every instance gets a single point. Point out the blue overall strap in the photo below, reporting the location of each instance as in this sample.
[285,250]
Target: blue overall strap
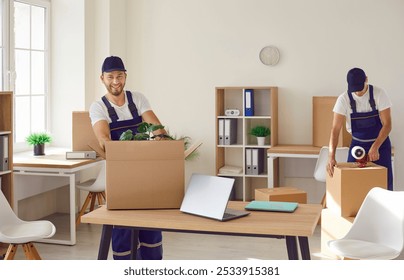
[131,105]
[352,102]
[111,111]
[371,98]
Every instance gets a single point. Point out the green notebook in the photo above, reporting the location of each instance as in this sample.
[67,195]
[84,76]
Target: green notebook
[273,206]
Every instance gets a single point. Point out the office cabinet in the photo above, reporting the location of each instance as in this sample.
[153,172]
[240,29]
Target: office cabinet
[238,109]
[6,149]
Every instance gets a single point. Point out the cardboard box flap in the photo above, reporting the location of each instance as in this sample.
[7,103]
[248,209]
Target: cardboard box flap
[144,150]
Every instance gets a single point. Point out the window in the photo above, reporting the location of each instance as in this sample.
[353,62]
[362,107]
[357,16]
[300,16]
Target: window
[28,65]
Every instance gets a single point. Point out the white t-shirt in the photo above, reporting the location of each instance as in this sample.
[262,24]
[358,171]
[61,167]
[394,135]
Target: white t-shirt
[98,110]
[343,106]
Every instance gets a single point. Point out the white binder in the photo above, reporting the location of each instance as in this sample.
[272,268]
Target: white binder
[221,132]
[257,161]
[230,131]
[4,166]
[248,162]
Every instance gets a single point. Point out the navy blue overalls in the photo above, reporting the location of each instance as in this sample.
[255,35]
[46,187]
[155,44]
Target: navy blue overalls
[150,242]
[365,129]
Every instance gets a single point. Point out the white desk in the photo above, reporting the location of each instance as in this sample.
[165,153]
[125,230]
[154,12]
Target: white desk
[58,171]
[294,151]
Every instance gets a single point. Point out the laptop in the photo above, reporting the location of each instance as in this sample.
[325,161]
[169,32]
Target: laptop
[208,196]
[272,206]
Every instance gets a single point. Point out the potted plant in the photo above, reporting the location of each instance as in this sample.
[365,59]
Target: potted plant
[145,130]
[38,140]
[261,132]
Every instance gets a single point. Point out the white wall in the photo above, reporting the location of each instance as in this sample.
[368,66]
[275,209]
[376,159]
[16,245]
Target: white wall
[67,67]
[178,51]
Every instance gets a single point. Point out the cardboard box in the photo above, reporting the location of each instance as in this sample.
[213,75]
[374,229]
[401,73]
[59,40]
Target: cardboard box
[349,186]
[144,174]
[333,227]
[289,194]
[322,122]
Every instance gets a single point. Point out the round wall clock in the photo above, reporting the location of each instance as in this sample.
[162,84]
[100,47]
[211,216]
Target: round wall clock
[269,55]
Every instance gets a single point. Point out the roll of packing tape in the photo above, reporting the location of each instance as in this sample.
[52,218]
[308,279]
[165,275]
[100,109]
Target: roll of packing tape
[358,152]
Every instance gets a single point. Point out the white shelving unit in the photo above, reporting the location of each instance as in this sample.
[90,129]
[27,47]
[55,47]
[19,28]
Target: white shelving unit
[265,113]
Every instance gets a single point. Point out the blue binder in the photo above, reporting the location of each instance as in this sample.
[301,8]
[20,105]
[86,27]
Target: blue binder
[249,102]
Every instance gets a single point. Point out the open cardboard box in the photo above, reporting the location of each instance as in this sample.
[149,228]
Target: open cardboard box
[350,184]
[144,174]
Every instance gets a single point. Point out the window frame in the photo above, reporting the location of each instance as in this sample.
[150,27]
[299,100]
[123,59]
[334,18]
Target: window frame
[9,73]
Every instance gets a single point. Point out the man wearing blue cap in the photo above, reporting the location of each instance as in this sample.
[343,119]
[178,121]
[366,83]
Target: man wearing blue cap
[115,113]
[368,118]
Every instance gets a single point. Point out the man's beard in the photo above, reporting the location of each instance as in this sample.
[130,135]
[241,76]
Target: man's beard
[115,91]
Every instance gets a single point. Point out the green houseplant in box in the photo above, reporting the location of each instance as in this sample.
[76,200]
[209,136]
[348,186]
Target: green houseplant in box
[38,140]
[261,132]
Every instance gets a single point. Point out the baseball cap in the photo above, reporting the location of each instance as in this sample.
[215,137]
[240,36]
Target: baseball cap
[356,79]
[113,63]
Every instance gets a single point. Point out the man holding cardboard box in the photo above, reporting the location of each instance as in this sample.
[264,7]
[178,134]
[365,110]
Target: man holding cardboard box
[368,118]
[118,111]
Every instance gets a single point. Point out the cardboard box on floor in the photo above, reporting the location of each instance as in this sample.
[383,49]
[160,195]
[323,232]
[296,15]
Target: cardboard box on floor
[288,194]
[349,186]
[144,174]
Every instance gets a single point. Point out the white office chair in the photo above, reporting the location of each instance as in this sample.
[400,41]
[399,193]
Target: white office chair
[96,190]
[320,171]
[16,232]
[378,229]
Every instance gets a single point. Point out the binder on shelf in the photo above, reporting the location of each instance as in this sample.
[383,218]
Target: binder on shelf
[221,132]
[4,153]
[257,161]
[249,102]
[230,131]
[248,161]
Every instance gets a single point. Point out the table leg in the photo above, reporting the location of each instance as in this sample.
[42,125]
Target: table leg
[304,247]
[291,245]
[134,243]
[105,242]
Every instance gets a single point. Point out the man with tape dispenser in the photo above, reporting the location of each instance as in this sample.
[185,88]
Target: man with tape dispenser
[367,110]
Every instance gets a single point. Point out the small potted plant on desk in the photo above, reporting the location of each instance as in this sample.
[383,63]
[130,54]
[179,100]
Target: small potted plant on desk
[38,140]
[261,132]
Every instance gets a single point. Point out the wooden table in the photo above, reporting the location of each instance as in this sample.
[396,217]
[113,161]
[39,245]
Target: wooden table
[38,174]
[291,226]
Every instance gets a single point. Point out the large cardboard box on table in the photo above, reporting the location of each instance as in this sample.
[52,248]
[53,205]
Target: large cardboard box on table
[350,184]
[288,194]
[144,174]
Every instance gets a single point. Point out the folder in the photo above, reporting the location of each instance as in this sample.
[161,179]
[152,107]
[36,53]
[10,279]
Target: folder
[221,132]
[249,102]
[230,131]
[272,206]
[4,153]
[248,162]
[257,161]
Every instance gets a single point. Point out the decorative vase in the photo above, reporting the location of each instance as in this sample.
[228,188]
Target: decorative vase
[39,150]
[261,141]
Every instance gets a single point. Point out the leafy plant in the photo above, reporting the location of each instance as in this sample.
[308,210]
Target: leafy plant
[144,132]
[260,131]
[38,138]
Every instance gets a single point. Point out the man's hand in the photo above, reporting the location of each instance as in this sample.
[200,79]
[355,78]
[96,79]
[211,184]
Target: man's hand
[330,166]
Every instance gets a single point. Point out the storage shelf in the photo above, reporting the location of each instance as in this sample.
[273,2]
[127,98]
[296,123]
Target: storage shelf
[266,114]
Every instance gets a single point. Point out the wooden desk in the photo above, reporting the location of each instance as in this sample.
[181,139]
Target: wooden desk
[291,226]
[38,174]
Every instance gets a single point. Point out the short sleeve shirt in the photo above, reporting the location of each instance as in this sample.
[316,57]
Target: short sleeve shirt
[343,106]
[98,110]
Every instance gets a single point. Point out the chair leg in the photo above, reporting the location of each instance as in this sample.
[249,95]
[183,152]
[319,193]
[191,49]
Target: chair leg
[12,249]
[93,197]
[99,197]
[83,209]
[103,195]
[30,251]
